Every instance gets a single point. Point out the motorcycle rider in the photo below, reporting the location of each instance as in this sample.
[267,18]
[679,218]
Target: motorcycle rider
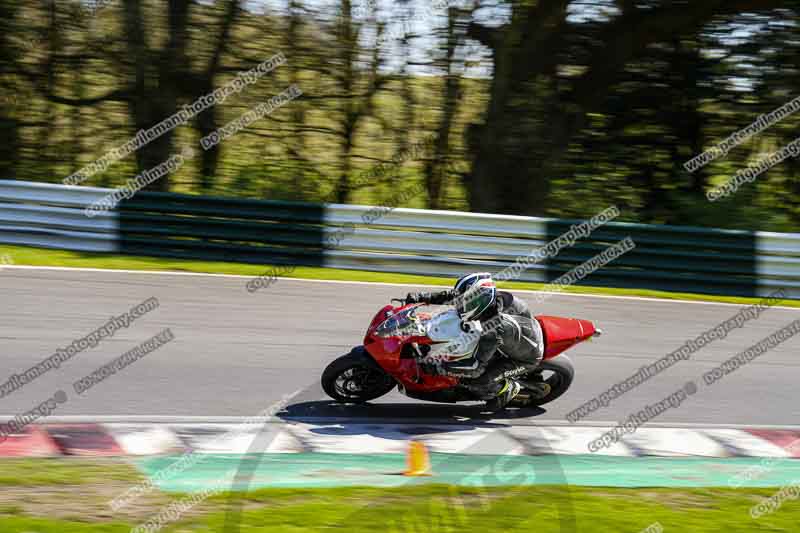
[506,328]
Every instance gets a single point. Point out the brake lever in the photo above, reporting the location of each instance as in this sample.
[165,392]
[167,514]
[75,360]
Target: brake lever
[400,301]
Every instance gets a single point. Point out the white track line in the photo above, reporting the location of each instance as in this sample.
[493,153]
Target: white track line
[383,283]
[177,419]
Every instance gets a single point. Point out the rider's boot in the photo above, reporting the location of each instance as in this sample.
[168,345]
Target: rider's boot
[506,394]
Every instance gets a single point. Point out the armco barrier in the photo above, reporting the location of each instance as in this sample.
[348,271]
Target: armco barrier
[224,229]
[415,241]
[51,216]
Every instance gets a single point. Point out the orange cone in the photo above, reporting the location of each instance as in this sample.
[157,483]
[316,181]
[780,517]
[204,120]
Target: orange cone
[419,463]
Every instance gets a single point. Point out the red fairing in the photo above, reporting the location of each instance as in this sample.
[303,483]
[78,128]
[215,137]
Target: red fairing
[387,350]
[379,317]
[561,334]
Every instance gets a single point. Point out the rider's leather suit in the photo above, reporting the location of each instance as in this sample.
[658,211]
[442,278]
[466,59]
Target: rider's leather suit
[511,344]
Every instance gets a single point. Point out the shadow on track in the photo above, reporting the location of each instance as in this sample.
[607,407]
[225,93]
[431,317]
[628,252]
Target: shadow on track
[405,412]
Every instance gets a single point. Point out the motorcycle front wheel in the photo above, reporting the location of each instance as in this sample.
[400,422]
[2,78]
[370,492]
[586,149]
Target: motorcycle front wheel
[355,378]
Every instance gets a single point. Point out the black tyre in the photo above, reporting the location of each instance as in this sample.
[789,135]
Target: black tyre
[554,376]
[356,378]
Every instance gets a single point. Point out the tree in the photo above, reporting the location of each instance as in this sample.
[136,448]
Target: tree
[521,142]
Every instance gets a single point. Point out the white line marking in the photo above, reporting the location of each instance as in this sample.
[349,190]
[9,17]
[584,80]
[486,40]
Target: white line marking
[178,419]
[387,284]
[112,270]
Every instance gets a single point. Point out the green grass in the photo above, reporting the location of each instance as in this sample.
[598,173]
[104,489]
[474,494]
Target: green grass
[63,472]
[24,255]
[433,508]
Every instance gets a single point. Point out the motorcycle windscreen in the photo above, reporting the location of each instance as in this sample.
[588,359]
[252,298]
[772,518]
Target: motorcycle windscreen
[397,324]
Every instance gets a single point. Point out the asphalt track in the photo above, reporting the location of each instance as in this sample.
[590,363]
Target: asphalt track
[236,353]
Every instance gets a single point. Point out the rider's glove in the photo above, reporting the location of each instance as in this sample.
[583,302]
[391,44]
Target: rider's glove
[413,298]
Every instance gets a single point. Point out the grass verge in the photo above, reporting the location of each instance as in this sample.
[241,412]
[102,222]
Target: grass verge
[31,256]
[54,503]
[64,472]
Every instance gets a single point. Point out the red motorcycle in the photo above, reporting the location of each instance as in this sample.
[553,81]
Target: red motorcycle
[400,338]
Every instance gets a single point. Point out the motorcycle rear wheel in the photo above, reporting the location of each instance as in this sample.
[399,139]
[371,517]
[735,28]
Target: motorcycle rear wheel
[356,378]
[561,375]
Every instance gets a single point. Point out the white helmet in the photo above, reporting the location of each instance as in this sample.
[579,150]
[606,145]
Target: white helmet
[475,294]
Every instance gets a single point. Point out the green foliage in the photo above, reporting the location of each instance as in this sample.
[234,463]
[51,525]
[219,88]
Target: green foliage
[458,509]
[529,135]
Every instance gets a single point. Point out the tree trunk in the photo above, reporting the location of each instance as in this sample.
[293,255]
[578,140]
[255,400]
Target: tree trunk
[437,167]
[296,144]
[9,125]
[206,122]
[158,79]
[518,148]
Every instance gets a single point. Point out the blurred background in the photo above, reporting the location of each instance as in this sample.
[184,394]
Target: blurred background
[553,107]
[545,108]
